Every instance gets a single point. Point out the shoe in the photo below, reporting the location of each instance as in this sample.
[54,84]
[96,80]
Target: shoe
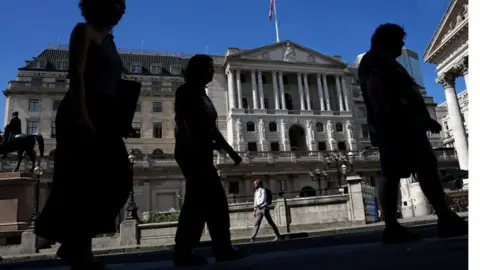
[398,234]
[452,226]
[231,255]
[188,259]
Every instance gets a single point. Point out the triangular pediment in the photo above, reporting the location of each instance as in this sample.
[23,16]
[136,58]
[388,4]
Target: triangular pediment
[287,51]
[454,19]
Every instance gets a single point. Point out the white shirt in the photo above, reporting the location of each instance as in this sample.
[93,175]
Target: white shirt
[260,199]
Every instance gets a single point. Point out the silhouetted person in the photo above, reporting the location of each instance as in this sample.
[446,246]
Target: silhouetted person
[261,210]
[91,160]
[13,129]
[196,138]
[398,120]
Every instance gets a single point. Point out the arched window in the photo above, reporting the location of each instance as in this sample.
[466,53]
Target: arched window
[157,153]
[272,126]
[319,127]
[338,127]
[250,126]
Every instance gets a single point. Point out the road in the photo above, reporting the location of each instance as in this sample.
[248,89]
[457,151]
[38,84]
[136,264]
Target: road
[359,251]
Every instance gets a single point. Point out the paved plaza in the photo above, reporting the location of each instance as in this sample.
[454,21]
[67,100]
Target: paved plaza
[356,251]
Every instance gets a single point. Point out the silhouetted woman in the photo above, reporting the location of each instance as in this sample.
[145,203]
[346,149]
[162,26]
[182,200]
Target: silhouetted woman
[196,138]
[92,176]
[399,120]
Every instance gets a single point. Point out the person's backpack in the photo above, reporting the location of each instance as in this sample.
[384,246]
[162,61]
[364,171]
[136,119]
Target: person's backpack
[268,194]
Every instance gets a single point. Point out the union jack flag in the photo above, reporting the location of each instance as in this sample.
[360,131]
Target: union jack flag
[270,12]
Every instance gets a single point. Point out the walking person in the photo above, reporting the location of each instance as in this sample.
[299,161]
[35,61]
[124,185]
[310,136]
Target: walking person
[197,137]
[398,120]
[90,157]
[261,209]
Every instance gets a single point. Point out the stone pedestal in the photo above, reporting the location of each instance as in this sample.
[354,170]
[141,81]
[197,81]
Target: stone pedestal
[129,233]
[357,208]
[29,242]
[282,214]
[414,202]
[16,201]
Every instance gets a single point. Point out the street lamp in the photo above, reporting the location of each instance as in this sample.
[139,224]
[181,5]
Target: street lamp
[132,207]
[318,175]
[38,171]
[351,160]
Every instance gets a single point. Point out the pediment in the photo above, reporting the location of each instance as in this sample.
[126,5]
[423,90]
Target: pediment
[454,19]
[288,51]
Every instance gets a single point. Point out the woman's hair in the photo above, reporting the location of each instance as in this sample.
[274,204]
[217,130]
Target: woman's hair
[196,67]
[386,35]
[97,11]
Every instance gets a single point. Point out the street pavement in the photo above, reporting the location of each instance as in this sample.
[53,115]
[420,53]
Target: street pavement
[359,251]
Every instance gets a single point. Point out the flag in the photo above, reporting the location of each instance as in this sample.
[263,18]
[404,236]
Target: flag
[270,12]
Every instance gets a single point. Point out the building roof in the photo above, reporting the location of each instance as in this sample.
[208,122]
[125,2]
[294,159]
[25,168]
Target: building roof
[129,57]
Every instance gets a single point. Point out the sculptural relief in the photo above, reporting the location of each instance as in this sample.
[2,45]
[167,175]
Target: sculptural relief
[311,130]
[261,130]
[239,130]
[289,54]
[284,130]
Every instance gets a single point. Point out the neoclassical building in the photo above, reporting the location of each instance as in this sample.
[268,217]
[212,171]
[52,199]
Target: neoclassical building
[448,50]
[444,118]
[286,108]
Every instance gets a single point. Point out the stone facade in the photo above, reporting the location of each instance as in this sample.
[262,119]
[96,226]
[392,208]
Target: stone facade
[445,119]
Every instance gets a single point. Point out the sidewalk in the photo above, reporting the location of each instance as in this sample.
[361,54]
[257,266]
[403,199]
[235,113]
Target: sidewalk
[409,222]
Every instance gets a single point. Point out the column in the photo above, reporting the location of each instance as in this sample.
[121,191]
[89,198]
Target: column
[345,94]
[282,90]
[300,91]
[339,92]
[307,91]
[320,92]
[459,135]
[254,90]
[231,89]
[463,68]
[260,90]
[275,90]
[327,94]
[239,89]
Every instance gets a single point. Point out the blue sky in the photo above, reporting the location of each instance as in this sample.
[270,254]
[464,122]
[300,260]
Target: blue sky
[341,27]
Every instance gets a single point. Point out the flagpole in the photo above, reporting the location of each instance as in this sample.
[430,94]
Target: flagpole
[276,20]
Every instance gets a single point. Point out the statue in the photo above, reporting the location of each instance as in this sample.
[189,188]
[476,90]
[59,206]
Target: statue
[22,143]
[311,130]
[261,130]
[239,130]
[284,130]
[289,54]
[330,128]
[350,129]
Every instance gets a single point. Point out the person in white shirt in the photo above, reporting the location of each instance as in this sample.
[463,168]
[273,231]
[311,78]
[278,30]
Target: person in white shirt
[260,210]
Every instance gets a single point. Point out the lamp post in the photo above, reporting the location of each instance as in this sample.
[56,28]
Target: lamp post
[319,175]
[132,207]
[338,161]
[351,161]
[38,171]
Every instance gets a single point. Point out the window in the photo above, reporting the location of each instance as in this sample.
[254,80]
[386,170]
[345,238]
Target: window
[322,146]
[274,146]
[53,130]
[250,126]
[342,146]
[40,63]
[319,127]
[157,107]
[139,107]
[233,187]
[34,105]
[156,69]
[365,131]
[272,126]
[244,103]
[32,127]
[264,79]
[338,127]
[176,70]
[136,68]
[61,64]
[56,104]
[265,103]
[362,112]
[243,78]
[285,79]
[252,146]
[137,128]
[157,130]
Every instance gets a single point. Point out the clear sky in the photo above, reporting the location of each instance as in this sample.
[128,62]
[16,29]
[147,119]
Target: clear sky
[341,27]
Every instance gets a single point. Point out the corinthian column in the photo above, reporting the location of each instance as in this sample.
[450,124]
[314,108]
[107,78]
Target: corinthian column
[282,90]
[307,91]
[320,92]
[254,90]
[447,80]
[339,93]
[275,90]
[327,93]
[260,90]
[345,95]
[239,89]
[463,68]
[231,89]
[300,91]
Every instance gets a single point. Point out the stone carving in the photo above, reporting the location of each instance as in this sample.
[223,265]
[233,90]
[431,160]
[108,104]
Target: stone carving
[462,66]
[330,129]
[350,130]
[459,18]
[284,130]
[447,80]
[261,130]
[239,129]
[465,9]
[311,130]
[289,54]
